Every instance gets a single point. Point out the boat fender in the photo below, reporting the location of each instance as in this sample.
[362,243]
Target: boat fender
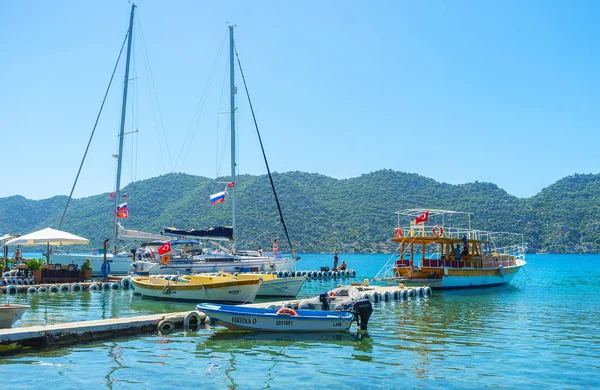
[501,271]
[192,320]
[115,286]
[398,233]
[173,278]
[419,292]
[166,259]
[64,288]
[404,295]
[427,292]
[329,274]
[43,289]
[20,281]
[32,290]
[286,274]
[366,296]
[353,273]
[126,283]
[377,297]
[166,326]
[93,287]
[53,288]
[410,293]
[4,282]
[437,231]
[280,274]
[396,295]
[166,277]
[105,286]
[320,274]
[386,296]
[76,287]
[286,311]
[12,290]
[12,280]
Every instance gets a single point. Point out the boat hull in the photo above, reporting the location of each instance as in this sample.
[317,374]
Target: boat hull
[227,292]
[119,264]
[281,287]
[460,277]
[9,314]
[258,319]
[188,266]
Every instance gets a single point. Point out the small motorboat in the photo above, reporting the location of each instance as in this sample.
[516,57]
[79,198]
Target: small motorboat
[272,285]
[9,314]
[198,288]
[286,319]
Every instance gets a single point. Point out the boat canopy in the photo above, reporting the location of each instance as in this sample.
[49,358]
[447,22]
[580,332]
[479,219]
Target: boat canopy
[138,235]
[213,233]
[173,242]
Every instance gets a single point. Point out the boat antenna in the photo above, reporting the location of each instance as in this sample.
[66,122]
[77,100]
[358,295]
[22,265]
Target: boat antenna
[265,156]
[122,130]
[92,135]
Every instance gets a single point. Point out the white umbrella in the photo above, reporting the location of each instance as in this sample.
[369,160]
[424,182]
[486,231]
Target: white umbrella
[49,237]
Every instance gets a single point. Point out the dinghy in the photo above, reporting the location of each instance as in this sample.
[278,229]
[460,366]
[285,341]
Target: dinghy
[286,319]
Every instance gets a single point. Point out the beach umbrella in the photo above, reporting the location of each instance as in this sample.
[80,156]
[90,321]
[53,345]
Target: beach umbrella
[49,237]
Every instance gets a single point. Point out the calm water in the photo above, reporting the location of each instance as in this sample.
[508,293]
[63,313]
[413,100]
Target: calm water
[542,330]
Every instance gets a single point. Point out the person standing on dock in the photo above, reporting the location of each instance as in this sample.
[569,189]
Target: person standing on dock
[335,261]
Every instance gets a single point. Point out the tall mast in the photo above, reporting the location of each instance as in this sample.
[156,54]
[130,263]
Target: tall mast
[122,130]
[232,96]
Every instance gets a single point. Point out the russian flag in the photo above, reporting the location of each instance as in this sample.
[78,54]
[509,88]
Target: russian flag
[219,197]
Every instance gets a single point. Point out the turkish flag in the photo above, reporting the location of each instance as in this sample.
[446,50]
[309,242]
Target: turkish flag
[166,248]
[423,217]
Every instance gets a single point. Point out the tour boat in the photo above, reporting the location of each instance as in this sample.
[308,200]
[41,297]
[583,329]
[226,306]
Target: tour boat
[433,252]
[286,319]
[9,314]
[198,288]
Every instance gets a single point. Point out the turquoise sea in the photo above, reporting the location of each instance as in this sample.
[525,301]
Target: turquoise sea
[541,331]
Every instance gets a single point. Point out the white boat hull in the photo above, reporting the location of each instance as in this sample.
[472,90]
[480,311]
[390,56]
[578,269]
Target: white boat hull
[9,314]
[282,287]
[228,292]
[260,264]
[119,264]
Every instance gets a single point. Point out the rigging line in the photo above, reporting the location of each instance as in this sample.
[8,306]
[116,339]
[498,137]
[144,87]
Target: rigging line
[200,107]
[153,88]
[93,131]
[264,154]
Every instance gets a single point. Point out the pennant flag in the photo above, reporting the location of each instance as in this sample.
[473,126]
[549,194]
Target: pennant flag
[230,184]
[423,217]
[219,197]
[122,211]
[166,248]
[112,194]
[124,196]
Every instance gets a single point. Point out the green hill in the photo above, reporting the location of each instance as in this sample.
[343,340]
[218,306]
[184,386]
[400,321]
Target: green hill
[326,214]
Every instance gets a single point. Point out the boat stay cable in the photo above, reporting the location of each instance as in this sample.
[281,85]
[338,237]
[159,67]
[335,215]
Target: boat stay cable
[264,154]
[93,131]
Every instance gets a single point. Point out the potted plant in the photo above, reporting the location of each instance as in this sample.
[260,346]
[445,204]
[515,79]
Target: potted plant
[86,269]
[34,265]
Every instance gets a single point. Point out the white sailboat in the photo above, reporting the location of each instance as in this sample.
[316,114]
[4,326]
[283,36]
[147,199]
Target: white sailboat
[223,259]
[112,262]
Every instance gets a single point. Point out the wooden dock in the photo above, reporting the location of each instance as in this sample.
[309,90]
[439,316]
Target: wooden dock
[77,332]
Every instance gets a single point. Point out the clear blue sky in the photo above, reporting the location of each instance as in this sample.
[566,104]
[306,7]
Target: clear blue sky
[506,92]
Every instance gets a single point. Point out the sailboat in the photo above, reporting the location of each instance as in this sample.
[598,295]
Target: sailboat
[153,261]
[113,262]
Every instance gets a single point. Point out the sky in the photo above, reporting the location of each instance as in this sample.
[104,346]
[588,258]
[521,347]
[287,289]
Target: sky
[506,92]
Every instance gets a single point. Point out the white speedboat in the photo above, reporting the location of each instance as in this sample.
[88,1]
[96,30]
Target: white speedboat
[9,314]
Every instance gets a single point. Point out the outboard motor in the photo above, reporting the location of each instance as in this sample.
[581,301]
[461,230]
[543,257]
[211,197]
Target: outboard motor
[324,299]
[362,310]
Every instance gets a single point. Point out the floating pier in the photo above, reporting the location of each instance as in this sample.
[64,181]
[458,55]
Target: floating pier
[113,283]
[77,332]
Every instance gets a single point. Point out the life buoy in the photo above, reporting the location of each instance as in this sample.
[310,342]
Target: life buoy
[286,311]
[166,259]
[398,233]
[437,231]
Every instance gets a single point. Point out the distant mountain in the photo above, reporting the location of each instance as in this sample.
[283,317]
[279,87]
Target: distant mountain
[325,214]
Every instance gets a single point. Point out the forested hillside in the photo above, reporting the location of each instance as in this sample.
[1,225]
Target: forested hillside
[325,214]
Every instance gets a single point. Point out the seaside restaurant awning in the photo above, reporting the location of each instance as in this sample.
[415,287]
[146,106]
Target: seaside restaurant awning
[49,237]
